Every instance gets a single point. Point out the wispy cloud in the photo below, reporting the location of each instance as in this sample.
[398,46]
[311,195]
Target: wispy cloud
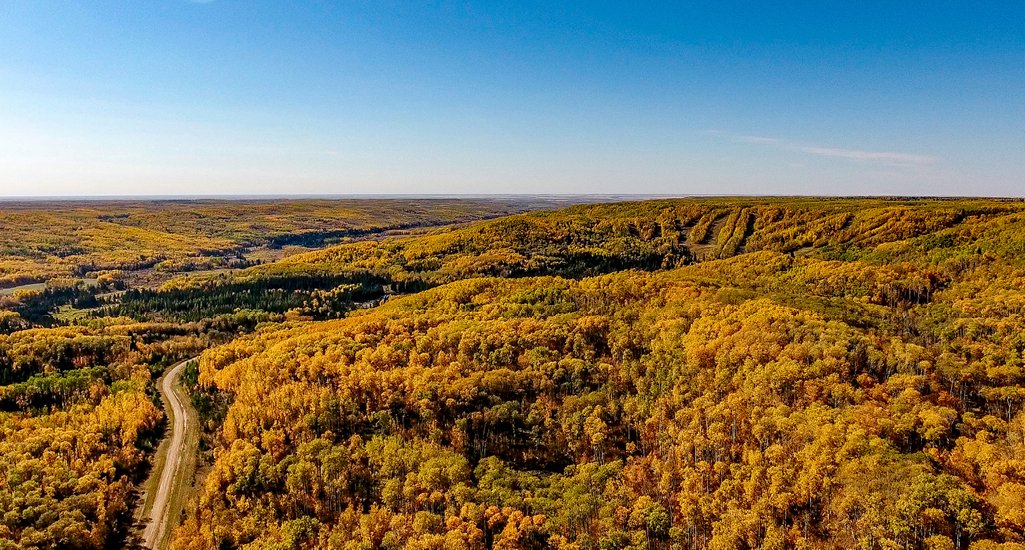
[890,158]
[899,158]
[758,139]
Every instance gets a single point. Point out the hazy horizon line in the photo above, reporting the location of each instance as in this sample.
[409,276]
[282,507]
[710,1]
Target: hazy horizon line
[471,196]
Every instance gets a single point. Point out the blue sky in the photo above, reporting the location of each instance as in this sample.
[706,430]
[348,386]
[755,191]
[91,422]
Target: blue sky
[257,97]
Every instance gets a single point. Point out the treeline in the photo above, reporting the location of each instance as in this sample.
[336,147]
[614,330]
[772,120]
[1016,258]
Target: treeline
[312,296]
[38,307]
[112,343]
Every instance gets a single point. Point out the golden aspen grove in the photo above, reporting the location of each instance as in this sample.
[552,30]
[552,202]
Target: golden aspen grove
[654,375]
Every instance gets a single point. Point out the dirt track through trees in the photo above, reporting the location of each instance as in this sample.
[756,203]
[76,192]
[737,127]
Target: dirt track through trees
[178,461]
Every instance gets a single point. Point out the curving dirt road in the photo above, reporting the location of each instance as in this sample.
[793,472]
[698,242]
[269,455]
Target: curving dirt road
[178,463]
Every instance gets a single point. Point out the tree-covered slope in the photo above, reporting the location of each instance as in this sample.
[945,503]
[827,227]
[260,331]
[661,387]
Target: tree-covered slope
[594,239]
[865,391]
[719,373]
[42,240]
[78,424]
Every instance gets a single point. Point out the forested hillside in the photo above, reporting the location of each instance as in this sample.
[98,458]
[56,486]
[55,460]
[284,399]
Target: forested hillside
[594,239]
[680,374]
[773,374]
[576,242]
[79,417]
[78,423]
[42,240]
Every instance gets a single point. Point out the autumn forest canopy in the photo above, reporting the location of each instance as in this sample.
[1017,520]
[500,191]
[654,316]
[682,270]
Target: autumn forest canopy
[480,375]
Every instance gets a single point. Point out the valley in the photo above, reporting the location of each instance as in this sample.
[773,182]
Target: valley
[672,373]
